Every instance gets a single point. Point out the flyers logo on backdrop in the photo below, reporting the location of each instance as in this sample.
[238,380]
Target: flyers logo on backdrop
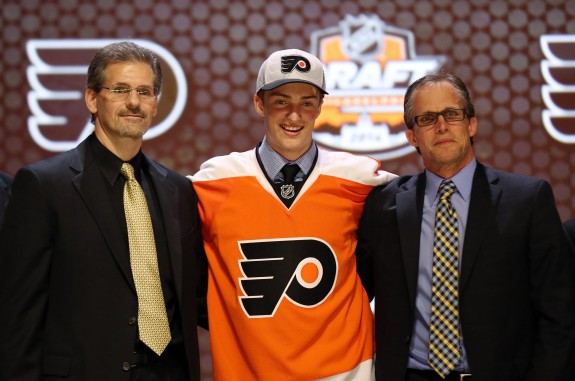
[57,78]
[301,270]
[558,93]
[368,66]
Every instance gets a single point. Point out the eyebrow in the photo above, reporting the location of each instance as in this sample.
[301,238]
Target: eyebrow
[119,83]
[283,95]
[445,109]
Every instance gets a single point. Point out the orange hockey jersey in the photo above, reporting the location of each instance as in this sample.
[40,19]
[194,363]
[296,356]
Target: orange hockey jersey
[284,299]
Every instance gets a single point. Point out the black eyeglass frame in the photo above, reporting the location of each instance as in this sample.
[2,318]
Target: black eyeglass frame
[460,115]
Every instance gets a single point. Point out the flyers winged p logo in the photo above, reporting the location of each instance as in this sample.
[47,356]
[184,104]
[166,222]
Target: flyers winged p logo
[295,62]
[558,93]
[302,270]
[57,76]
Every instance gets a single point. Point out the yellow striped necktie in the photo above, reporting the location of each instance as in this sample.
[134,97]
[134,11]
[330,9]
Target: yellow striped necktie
[152,317]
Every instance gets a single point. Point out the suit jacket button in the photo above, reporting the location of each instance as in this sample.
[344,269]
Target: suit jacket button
[132,320]
[126,366]
[407,340]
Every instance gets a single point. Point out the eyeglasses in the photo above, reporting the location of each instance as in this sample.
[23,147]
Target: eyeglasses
[122,92]
[430,118]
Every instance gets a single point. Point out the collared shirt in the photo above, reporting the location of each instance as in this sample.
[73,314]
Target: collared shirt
[463,180]
[110,166]
[273,162]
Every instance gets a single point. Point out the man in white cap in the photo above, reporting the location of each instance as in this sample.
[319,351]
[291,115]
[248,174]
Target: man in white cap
[279,226]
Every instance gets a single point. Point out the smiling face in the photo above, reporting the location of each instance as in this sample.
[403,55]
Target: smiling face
[119,119]
[289,113]
[445,147]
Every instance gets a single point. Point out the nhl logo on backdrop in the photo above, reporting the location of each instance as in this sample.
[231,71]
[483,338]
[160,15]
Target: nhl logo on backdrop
[368,67]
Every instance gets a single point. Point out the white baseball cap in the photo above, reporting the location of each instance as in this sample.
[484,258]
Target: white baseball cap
[291,65]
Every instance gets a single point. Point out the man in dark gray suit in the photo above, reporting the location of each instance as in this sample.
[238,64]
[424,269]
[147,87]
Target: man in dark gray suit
[70,306]
[475,283]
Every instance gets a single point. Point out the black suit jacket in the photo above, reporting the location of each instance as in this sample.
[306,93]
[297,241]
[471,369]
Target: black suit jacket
[5,183]
[516,288]
[570,230]
[67,296]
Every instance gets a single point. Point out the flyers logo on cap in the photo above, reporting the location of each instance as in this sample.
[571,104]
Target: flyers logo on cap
[558,93]
[57,78]
[299,63]
[368,67]
[301,270]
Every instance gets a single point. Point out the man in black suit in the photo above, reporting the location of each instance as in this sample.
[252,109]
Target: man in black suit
[5,183]
[483,294]
[71,308]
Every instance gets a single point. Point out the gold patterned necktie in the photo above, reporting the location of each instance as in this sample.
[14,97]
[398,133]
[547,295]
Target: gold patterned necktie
[444,353]
[152,317]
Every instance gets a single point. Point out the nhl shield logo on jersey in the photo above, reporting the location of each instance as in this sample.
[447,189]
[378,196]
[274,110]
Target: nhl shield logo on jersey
[287,191]
[301,270]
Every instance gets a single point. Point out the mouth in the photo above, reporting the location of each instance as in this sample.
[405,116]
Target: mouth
[132,116]
[442,142]
[292,129]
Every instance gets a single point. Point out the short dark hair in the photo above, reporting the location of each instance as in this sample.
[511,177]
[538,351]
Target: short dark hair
[431,79]
[120,52]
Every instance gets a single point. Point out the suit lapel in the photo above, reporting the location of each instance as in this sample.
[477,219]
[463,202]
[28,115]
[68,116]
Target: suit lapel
[485,195]
[409,206]
[91,185]
[168,199]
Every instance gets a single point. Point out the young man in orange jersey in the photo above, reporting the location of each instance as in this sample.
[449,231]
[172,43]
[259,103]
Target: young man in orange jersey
[279,226]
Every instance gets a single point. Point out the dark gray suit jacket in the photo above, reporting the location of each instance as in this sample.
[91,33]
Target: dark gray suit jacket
[516,288]
[67,296]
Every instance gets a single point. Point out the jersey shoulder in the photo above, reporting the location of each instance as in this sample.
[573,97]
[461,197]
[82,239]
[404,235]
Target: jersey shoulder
[356,168]
[236,164]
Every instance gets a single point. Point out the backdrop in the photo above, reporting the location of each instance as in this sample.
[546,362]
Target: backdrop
[517,57]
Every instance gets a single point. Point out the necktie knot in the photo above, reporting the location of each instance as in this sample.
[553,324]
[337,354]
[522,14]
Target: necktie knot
[446,189]
[290,171]
[127,171]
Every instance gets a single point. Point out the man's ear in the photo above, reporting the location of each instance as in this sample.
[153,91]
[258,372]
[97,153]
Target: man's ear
[90,98]
[472,126]
[411,137]
[259,105]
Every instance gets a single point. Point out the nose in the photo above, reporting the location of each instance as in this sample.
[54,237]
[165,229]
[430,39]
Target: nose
[133,98]
[441,125]
[294,112]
